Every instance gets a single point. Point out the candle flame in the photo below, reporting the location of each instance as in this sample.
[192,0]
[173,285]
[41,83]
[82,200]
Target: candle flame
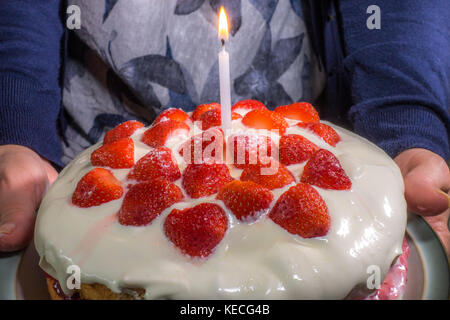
[223,24]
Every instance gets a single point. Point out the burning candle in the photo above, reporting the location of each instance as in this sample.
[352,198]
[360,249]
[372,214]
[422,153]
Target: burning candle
[224,73]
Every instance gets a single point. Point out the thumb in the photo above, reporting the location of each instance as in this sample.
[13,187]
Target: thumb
[427,181]
[423,191]
[23,181]
[16,221]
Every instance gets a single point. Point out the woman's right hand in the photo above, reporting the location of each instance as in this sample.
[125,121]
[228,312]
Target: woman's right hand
[24,179]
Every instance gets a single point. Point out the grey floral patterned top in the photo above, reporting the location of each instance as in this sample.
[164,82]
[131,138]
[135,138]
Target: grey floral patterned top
[133,58]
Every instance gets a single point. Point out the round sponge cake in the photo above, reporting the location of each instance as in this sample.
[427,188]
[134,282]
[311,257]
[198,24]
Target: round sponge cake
[333,207]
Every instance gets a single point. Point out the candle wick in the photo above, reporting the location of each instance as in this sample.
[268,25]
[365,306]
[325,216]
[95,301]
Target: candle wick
[223,43]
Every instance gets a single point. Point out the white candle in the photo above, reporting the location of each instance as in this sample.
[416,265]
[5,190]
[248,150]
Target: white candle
[225,92]
[224,73]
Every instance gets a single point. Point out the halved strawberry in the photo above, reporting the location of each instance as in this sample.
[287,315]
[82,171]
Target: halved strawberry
[325,171]
[295,148]
[250,149]
[118,154]
[209,147]
[265,119]
[246,199]
[203,108]
[272,178]
[201,180]
[157,163]
[302,211]
[249,104]
[123,130]
[327,133]
[198,230]
[212,118]
[145,201]
[158,134]
[303,111]
[96,187]
[172,114]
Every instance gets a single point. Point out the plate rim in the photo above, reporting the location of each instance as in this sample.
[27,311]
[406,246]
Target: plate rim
[9,267]
[418,227]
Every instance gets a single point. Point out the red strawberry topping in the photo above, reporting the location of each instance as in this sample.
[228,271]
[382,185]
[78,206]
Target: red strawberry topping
[123,130]
[172,114]
[118,154]
[302,211]
[265,119]
[295,148]
[198,230]
[96,187]
[145,201]
[303,111]
[272,178]
[325,171]
[246,199]
[250,149]
[203,108]
[327,133]
[208,147]
[212,118]
[158,163]
[158,134]
[248,105]
[201,180]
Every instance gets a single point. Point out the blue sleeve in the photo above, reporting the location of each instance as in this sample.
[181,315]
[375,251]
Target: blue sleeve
[398,76]
[31,42]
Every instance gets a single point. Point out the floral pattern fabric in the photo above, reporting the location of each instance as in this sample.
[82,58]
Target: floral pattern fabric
[131,59]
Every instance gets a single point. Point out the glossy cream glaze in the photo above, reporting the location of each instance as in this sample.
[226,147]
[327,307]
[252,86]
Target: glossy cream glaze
[254,261]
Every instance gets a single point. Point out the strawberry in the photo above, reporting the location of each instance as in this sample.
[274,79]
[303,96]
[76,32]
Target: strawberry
[276,177]
[146,200]
[123,130]
[198,230]
[172,114]
[265,119]
[303,111]
[212,118]
[201,180]
[250,149]
[248,105]
[96,187]
[157,163]
[203,108]
[325,171]
[295,148]
[302,211]
[158,134]
[203,147]
[118,154]
[327,133]
[246,199]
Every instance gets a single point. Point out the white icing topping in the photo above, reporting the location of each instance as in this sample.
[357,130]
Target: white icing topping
[254,261]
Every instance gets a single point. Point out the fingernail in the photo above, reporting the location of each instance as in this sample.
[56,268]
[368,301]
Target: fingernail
[7,228]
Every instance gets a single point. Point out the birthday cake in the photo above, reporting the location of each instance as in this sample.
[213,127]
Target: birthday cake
[280,206]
